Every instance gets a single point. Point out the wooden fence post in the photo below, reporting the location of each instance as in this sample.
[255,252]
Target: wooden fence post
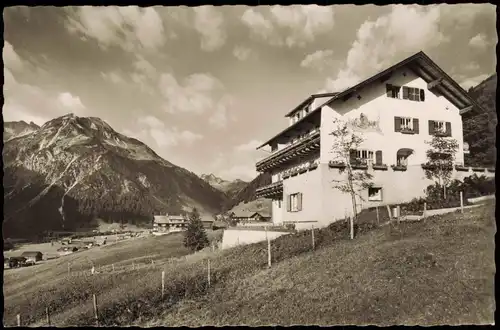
[133,266]
[18,320]
[113,267]
[378,218]
[351,220]
[399,213]
[312,236]
[268,250]
[48,315]
[462,202]
[92,270]
[208,275]
[162,284]
[95,310]
[389,212]
[69,269]
[425,210]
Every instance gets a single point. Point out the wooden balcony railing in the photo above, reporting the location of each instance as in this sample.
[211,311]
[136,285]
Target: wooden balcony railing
[274,189]
[302,147]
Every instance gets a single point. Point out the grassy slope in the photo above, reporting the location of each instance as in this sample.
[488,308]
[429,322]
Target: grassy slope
[29,290]
[438,272]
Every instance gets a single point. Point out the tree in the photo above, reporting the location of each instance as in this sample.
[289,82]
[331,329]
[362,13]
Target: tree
[195,237]
[346,142]
[440,160]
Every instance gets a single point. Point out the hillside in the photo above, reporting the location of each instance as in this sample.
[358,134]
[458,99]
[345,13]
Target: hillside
[440,271]
[73,170]
[247,194]
[230,188]
[261,205]
[480,128]
[17,128]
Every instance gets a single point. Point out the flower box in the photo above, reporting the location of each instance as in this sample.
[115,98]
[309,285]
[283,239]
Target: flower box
[381,167]
[441,134]
[407,131]
[491,169]
[286,176]
[302,170]
[336,164]
[359,166]
[313,166]
[399,167]
[478,169]
[428,167]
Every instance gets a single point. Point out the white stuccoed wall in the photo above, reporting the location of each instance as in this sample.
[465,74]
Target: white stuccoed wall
[235,236]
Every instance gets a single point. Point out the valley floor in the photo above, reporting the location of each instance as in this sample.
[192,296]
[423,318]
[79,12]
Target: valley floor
[440,271]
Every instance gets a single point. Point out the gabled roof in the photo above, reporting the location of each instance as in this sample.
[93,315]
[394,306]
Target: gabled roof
[308,100]
[422,65]
[31,253]
[263,214]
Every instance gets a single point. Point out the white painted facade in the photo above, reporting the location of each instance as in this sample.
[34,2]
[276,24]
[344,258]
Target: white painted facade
[320,202]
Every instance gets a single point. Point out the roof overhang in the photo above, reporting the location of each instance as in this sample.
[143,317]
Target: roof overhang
[307,119]
[310,99]
[435,77]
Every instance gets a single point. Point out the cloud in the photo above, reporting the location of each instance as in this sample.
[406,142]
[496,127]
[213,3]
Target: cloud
[242,53]
[250,146]
[209,22]
[474,81]
[289,25]
[129,27]
[387,40]
[67,100]
[113,77]
[10,58]
[478,41]
[318,60]
[153,129]
[197,94]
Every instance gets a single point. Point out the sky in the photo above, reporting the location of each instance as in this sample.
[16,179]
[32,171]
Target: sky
[204,86]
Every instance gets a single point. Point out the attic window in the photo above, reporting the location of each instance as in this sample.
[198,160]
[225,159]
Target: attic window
[392,91]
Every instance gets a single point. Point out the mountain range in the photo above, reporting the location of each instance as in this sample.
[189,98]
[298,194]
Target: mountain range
[73,171]
[230,188]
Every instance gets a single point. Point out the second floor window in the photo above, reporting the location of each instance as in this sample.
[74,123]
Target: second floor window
[392,91]
[406,125]
[362,156]
[439,127]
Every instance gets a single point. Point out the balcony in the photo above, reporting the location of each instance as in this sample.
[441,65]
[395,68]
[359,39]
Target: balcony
[300,148]
[273,190]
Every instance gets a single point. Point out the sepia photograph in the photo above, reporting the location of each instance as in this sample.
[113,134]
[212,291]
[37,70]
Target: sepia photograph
[236,165]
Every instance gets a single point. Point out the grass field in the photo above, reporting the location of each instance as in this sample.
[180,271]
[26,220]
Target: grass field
[440,271]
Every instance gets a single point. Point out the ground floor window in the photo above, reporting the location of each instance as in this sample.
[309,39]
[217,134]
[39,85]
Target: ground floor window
[375,194]
[294,202]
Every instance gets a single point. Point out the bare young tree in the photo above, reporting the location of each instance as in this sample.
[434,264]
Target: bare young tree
[346,142]
[440,160]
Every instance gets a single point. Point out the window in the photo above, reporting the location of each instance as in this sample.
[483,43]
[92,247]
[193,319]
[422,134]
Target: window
[439,127]
[393,91]
[406,125]
[375,194]
[402,156]
[413,94]
[294,202]
[365,156]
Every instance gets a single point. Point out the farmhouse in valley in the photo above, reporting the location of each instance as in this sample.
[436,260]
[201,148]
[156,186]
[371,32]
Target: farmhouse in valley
[395,112]
[169,223]
[32,256]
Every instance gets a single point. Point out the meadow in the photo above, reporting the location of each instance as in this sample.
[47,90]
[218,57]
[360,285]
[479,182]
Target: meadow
[437,271]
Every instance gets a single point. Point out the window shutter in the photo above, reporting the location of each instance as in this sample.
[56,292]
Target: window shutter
[378,157]
[405,92]
[415,125]
[397,124]
[352,155]
[299,202]
[288,203]
[422,95]
[388,88]
[431,127]
[448,128]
